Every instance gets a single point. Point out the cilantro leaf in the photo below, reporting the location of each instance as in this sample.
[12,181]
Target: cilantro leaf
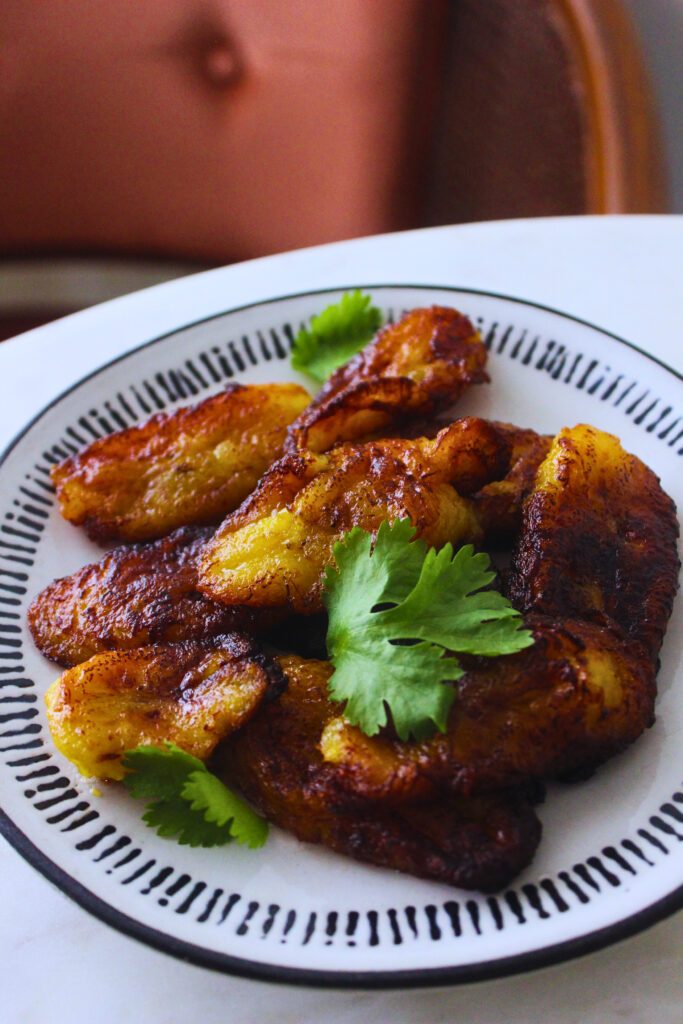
[386,577]
[172,818]
[155,772]
[335,335]
[409,681]
[219,805]
[448,606]
[437,605]
[187,801]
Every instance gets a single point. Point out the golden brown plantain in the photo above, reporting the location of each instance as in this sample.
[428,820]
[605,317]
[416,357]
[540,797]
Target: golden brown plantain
[476,843]
[192,694]
[596,562]
[414,367]
[190,466]
[134,596]
[273,550]
[599,540]
[580,695]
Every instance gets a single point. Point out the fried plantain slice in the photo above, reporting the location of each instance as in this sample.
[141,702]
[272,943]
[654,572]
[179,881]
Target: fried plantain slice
[273,550]
[412,368]
[599,540]
[192,694]
[596,562]
[134,596]
[581,694]
[476,843]
[190,466]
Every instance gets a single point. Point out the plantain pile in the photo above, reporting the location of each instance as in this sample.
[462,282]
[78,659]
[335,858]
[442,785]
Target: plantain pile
[206,628]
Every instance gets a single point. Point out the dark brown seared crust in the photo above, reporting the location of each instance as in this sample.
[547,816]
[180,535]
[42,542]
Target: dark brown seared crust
[499,504]
[478,843]
[189,466]
[247,649]
[578,696]
[599,544]
[412,368]
[137,595]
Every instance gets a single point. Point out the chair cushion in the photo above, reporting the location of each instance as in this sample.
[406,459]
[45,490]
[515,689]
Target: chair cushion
[218,131]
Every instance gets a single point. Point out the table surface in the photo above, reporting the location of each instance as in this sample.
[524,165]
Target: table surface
[57,963]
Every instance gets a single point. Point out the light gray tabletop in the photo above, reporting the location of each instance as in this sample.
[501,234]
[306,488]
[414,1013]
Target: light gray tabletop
[59,964]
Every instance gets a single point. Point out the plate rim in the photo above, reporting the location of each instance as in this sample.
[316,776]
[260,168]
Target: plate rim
[256,970]
[304,294]
[483,970]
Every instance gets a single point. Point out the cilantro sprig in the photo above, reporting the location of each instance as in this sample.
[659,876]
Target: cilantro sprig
[398,613]
[335,335]
[187,801]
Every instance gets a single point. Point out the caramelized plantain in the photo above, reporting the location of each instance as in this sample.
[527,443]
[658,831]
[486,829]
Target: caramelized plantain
[580,695]
[596,561]
[273,550]
[412,368]
[192,694]
[476,843]
[599,540]
[190,466]
[134,596]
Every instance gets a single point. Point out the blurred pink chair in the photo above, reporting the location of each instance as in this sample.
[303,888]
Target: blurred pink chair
[217,130]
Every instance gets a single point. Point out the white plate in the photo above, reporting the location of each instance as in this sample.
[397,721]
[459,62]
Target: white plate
[610,860]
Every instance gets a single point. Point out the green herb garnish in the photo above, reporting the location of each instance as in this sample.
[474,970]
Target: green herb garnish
[187,801]
[393,658]
[335,335]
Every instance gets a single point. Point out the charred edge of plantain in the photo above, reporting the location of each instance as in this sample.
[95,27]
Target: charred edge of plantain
[246,648]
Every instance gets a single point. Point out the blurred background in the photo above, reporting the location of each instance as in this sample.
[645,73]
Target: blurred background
[143,140]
